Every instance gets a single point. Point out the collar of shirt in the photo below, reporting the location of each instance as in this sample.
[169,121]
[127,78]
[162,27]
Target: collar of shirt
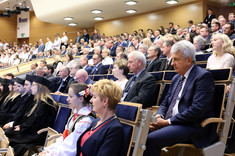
[137,75]
[188,72]
[64,78]
[83,111]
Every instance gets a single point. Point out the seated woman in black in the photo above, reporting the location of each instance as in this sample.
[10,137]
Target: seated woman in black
[4,91]
[105,135]
[24,135]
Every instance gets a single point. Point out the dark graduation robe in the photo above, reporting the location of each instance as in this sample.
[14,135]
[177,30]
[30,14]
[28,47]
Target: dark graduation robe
[42,117]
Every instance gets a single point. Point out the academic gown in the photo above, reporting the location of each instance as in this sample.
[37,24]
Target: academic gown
[27,137]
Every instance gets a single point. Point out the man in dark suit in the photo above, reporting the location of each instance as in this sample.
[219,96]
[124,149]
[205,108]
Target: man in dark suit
[64,79]
[171,28]
[141,87]
[166,49]
[153,55]
[86,36]
[209,17]
[77,40]
[84,63]
[98,68]
[41,47]
[188,102]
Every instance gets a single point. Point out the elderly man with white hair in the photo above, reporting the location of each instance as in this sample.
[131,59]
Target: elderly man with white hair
[141,87]
[189,101]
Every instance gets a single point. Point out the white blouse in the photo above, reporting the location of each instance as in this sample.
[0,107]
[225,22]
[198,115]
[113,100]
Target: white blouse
[227,60]
[68,146]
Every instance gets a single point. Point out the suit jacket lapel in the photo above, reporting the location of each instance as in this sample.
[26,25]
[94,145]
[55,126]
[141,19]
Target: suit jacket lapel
[189,80]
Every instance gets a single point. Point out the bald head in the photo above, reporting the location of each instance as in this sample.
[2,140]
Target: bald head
[81,76]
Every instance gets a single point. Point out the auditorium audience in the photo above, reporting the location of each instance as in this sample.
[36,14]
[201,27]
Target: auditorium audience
[85,66]
[188,102]
[223,52]
[120,71]
[57,64]
[68,60]
[105,135]
[78,122]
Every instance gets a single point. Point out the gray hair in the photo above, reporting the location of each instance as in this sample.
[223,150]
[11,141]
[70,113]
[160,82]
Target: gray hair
[138,56]
[187,49]
[145,46]
[200,41]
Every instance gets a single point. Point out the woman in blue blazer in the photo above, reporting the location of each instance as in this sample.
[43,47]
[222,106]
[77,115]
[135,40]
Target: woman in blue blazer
[105,135]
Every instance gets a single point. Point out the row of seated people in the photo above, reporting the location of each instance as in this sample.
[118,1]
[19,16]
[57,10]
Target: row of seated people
[140,89]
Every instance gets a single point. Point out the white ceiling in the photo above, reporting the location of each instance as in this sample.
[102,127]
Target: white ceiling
[54,11]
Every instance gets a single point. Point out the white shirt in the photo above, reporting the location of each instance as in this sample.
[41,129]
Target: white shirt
[64,39]
[69,145]
[122,84]
[48,46]
[4,45]
[176,107]
[108,60]
[227,60]
[57,43]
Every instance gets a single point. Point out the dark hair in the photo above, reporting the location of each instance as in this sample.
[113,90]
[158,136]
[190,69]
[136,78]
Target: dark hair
[123,56]
[231,26]
[171,23]
[70,56]
[218,24]
[50,67]
[11,75]
[5,91]
[191,36]
[190,21]
[169,42]
[78,87]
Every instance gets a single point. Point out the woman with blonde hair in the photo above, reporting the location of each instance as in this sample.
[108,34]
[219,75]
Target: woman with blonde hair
[106,57]
[223,52]
[147,41]
[23,135]
[105,135]
[78,122]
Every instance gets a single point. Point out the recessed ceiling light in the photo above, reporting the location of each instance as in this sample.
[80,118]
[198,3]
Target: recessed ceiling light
[68,18]
[72,24]
[130,2]
[2,1]
[171,1]
[98,18]
[131,11]
[96,11]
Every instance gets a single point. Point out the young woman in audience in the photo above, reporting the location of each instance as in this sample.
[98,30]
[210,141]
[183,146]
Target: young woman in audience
[105,135]
[68,60]
[57,64]
[24,135]
[120,71]
[106,55]
[223,52]
[189,37]
[79,121]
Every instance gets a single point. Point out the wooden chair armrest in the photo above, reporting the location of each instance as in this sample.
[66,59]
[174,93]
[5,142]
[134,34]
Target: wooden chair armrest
[42,130]
[211,120]
[54,137]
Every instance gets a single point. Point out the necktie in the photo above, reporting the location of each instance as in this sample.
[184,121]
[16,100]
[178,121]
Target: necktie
[61,84]
[128,87]
[166,65]
[94,69]
[175,97]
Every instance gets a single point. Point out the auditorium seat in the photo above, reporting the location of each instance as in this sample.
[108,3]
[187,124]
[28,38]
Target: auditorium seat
[7,151]
[135,122]
[100,76]
[111,77]
[202,57]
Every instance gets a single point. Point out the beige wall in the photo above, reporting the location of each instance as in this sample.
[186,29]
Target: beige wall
[8,28]
[178,15]
[39,29]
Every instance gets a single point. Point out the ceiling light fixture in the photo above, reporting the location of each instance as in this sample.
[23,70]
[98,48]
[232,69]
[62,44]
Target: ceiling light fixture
[98,18]
[130,2]
[68,18]
[171,1]
[131,11]
[72,24]
[3,1]
[96,11]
